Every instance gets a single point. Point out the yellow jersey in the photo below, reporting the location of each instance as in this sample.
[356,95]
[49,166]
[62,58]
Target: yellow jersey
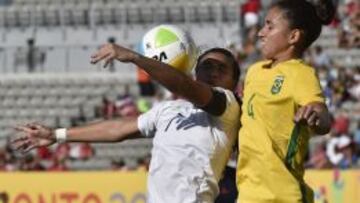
[272,148]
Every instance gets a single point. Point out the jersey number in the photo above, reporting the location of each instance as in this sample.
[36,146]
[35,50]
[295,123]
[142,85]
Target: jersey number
[250,108]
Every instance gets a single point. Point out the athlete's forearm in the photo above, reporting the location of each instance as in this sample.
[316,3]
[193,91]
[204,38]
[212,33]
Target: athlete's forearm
[106,131]
[176,81]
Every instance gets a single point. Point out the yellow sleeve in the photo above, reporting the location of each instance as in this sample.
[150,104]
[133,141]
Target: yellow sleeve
[307,87]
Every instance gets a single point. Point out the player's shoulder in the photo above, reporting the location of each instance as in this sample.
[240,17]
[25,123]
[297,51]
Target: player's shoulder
[225,91]
[298,66]
[256,67]
[166,107]
[231,96]
[165,103]
[171,104]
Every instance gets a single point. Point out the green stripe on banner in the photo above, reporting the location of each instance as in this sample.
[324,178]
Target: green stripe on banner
[164,37]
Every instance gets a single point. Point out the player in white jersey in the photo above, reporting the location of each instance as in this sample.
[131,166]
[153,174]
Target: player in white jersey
[193,138]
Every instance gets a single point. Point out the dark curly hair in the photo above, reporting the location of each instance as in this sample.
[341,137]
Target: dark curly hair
[308,16]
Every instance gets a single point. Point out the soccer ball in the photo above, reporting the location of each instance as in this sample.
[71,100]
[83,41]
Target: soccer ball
[171,45]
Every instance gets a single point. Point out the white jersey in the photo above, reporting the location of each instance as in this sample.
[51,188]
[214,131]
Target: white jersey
[190,149]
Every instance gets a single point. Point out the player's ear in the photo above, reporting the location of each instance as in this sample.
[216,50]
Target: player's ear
[295,36]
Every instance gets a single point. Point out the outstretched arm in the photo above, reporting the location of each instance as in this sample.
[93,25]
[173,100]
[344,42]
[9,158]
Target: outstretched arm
[177,82]
[106,131]
[36,135]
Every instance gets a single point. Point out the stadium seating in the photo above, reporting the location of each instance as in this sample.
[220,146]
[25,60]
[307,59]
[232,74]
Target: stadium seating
[328,40]
[57,96]
[56,99]
[67,32]
[85,12]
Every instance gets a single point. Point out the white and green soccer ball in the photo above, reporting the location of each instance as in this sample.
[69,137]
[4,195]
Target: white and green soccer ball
[171,45]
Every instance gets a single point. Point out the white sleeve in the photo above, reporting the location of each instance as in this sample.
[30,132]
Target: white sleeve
[147,122]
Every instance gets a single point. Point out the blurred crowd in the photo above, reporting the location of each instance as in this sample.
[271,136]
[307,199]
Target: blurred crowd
[49,159]
[349,22]
[341,86]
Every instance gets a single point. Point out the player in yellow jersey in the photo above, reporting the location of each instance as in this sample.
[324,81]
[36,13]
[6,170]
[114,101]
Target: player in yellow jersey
[282,106]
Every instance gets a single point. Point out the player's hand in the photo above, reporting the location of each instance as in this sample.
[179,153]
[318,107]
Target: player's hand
[308,115]
[111,52]
[33,136]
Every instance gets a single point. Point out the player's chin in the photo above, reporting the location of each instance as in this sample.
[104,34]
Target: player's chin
[214,83]
[266,54]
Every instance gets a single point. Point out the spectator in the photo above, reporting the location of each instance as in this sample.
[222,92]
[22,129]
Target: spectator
[357,139]
[250,14]
[107,109]
[340,151]
[147,87]
[350,31]
[82,151]
[320,58]
[354,36]
[31,55]
[119,165]
[2,160]
[357,74]
[340,93]
[341,123]
[31,163]
[351,6]
[58,164]
[59,160]
[249,54]
[355,88]
[10,159]
[318,159]
[44,153]
[126,106]
[144,162]
[62,151]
